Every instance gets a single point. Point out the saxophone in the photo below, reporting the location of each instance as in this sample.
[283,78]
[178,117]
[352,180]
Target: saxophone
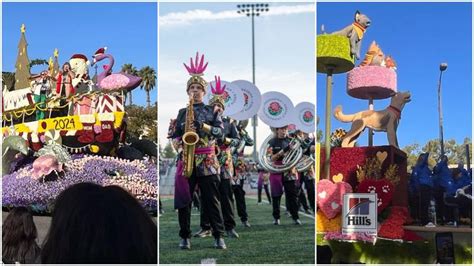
[190,138]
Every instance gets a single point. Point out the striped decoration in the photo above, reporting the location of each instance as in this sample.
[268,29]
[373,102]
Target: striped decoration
[109,104]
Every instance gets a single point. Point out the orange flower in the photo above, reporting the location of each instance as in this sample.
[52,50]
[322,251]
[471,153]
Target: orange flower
[327,225]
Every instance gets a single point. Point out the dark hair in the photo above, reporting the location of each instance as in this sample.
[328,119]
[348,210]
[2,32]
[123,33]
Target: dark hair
[19,237]
[95,224]
[67,63]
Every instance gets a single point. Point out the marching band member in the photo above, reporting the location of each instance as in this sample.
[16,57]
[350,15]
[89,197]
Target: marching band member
[278,146]
[263,177]
[307,176]
[198,163]
[240,176]
[231,139]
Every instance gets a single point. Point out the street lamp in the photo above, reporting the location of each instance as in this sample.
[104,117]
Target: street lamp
[252,10]
[442,67]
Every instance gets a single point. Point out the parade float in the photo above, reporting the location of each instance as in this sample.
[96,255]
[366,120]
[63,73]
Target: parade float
[381,170]
[61,127]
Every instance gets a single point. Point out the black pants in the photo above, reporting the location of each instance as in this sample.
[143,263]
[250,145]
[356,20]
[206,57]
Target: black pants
[463,207]
[439,200]
[196,200]
[424,203]
[301,196]
[309,185]
[225,189]
[209,188]
[239,195]
[265,186]
[292,199]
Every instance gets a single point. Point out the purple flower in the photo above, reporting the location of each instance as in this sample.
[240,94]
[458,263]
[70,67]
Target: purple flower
[140,177]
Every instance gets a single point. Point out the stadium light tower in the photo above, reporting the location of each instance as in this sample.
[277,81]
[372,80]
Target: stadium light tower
[252,10]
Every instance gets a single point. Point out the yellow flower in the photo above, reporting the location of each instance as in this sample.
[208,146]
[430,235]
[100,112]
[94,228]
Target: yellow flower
[324,224]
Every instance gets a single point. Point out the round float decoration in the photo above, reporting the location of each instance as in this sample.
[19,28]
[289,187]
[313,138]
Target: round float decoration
[252,99]
[304,117]
[371,82]
[335,51]
[276,109]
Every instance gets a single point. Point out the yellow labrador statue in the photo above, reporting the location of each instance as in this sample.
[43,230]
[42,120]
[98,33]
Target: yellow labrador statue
[384,120]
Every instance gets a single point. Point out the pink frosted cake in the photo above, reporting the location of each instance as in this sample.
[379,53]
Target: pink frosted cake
[376,82]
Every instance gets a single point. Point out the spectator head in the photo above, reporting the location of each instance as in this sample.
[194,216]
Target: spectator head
[444,159]
[456,172]
[19,237]
[422,159]
[95,224]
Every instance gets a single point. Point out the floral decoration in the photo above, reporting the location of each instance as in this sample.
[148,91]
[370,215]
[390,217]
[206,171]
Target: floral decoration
[138,177]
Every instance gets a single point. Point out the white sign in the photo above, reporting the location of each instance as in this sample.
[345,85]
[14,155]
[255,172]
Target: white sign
[359,213]
[305,117]
[276,109]
[252,99]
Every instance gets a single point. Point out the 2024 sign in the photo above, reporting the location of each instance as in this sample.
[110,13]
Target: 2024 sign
[64,124]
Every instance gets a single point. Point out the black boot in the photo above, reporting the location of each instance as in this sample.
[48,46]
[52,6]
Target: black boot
[232,233]
[219,243]
[185,243]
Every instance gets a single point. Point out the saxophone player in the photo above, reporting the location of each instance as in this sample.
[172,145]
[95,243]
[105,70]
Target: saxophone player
[206,122]
[278,147]
[230,139]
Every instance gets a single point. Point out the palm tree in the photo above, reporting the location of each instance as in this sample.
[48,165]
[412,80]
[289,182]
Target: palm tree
[148,76]
[131,70]
[8,80]
[36,62]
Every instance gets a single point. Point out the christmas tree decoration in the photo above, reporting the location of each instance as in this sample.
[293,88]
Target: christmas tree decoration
[22,72]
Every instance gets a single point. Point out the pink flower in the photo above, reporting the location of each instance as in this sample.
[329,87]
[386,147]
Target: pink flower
[274,106]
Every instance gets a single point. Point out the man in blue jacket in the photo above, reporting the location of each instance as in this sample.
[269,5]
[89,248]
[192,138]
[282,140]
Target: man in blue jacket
[443,179]
[456,190]
[420,188]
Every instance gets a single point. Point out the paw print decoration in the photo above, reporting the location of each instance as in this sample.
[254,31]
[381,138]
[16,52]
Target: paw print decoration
[384,189]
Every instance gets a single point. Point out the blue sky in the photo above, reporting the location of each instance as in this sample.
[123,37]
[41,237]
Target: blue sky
[419,36]
[284,51]
[129,30]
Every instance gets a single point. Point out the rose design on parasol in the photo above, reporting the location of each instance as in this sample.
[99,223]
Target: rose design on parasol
[275,108]
[226,97]
[246,98]
[308,117]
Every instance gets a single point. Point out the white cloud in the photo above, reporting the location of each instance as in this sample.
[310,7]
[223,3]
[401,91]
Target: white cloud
[197,15]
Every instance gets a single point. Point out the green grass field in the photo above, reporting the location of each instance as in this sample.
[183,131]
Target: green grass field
[261,243]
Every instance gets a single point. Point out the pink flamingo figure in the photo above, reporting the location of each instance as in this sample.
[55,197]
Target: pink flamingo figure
[113,81]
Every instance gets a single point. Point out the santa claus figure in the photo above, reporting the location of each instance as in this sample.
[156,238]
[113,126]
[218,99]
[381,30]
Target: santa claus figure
[83,106]
[79,65]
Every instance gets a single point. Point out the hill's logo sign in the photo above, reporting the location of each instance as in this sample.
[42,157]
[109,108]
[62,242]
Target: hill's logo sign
[359,213]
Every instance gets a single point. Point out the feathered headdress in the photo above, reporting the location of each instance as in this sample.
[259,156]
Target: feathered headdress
[196,70]
[218,93]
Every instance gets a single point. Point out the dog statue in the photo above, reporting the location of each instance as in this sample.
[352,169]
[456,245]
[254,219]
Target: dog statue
[355,32]
[384,120]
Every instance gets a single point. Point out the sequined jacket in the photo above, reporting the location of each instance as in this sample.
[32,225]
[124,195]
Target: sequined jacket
[229,139]
[205,163]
